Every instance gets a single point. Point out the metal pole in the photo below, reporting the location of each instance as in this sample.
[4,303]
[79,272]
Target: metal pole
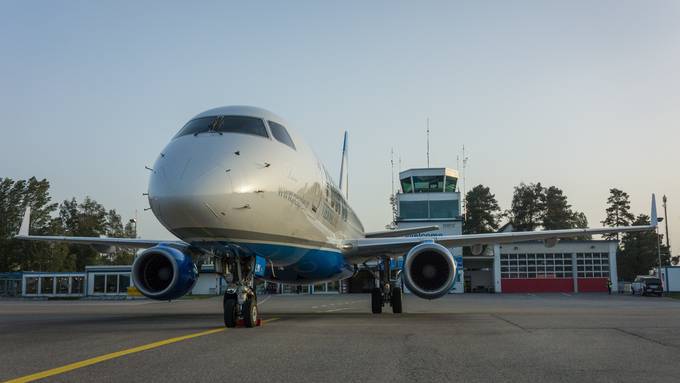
[665,218]
[428,142]
[658,252]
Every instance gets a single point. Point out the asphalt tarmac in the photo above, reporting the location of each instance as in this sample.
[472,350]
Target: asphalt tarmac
[334,338]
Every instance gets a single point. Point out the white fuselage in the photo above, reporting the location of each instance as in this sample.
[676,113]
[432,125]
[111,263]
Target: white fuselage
[248,189]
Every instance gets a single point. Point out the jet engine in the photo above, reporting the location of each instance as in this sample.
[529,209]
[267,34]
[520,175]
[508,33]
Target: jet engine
[429,270]
[164,273]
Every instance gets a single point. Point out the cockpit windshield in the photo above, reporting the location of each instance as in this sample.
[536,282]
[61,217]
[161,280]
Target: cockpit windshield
[224,124]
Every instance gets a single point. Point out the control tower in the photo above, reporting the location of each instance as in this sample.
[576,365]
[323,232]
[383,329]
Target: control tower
[429,196]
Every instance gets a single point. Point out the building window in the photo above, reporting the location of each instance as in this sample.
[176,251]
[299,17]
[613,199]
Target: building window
[31,285]
[450,184]
[62,285]
[592,265]
[112,284]
[47,285]
[413,210]
[77,285]
[99,284]
[428,184]
[536,266]
[444,209]
[407,185]
[124,283]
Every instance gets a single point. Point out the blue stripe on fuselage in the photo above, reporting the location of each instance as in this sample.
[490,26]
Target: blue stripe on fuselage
[300,265]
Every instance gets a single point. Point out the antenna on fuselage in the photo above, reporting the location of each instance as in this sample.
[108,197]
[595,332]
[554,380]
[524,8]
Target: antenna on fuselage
[344,171]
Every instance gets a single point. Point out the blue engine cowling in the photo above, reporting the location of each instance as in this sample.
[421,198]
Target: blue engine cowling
[164,273]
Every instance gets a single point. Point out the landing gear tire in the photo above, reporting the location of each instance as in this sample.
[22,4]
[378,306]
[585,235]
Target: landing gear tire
[250,312]
[230,310]
[376,301]
[396,300]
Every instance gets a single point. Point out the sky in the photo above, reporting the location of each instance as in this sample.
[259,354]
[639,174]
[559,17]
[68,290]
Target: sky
[578,94]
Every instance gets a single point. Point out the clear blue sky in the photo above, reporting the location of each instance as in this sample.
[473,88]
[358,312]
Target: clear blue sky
[582,95]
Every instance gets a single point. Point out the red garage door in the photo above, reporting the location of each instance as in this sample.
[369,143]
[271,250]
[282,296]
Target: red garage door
[592,285]
[533,285]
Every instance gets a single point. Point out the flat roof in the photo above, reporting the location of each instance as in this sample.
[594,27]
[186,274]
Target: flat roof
[428,172]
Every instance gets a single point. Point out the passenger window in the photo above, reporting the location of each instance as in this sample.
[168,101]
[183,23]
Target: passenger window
[279,132]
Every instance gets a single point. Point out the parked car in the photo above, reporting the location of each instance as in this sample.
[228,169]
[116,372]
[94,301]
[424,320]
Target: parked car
[646,284]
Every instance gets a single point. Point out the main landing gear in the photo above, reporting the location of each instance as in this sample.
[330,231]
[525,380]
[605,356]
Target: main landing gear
[387,292]
[240,300]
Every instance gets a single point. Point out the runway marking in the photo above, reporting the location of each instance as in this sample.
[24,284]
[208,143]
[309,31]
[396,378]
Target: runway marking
[334,310]
[114,355]
[566,295]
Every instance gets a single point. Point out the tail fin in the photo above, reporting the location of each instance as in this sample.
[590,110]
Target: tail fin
[654,220]
[25,223]
[344,172]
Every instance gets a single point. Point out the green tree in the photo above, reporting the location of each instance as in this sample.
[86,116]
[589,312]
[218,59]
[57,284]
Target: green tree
[558,213]
[15,196]
[528,207]
[482,213]
[86,219]
[618,212]
[639,252]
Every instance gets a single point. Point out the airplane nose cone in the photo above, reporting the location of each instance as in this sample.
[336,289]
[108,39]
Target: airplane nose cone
[191,182]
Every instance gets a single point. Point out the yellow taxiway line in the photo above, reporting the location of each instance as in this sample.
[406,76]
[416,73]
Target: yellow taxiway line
[113,355]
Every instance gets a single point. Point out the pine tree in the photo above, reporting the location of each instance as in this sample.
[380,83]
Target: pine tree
[618,212]
[528,206]
[482,213]
[640,252]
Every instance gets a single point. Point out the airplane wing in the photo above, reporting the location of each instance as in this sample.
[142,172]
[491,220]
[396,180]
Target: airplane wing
[397,246]
[99,242]
[401,232]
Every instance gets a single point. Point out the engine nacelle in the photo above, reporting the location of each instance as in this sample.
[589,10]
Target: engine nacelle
[164,273]
[429,270]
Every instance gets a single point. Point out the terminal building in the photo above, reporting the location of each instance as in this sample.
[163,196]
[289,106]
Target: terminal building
[429,196]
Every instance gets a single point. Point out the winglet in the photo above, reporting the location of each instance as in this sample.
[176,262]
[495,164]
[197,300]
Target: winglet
[25,223]
[654,220]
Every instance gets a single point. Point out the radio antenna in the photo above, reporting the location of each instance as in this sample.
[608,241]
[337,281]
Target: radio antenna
[428,142]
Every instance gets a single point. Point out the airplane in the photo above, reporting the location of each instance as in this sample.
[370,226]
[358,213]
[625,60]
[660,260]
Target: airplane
[237,185]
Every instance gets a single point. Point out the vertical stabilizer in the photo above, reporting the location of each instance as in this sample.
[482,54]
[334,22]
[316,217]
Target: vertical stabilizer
[344,172]
[25,223]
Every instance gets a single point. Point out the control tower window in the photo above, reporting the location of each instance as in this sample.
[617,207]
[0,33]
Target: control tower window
[450,184]
[225,124]
[407,185]
[428,184]
[281,134]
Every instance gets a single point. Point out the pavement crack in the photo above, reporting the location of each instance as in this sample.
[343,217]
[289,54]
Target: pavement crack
[508,321]
[645,338]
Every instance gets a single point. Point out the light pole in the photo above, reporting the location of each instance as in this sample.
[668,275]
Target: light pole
[665,218]
[658,252]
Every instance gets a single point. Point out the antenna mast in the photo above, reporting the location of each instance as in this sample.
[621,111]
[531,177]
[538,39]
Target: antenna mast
[428,142]
[463,179]
[393,198]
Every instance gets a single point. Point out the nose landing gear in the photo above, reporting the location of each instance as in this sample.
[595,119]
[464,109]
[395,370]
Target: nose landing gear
[388,292]
[240,299]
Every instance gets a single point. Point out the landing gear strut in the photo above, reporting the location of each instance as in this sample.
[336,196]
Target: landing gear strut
[387,292]
[240,300]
